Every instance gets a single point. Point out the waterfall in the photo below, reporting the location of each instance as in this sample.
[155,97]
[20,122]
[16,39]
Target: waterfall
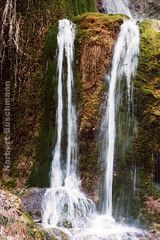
[64,204]
[125,60]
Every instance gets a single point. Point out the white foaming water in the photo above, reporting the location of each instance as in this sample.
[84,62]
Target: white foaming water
[64,204]
[124,64]
[103,227]
[117,6]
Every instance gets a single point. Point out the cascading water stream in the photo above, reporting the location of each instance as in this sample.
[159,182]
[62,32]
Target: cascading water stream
[124,64]
[64,204]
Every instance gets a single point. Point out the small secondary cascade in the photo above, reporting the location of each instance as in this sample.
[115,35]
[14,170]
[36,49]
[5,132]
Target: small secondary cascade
[11,25]
[10,39]
[64,204]
[115,7]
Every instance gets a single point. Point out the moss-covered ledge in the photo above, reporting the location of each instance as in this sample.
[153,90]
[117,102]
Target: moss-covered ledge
[96,37]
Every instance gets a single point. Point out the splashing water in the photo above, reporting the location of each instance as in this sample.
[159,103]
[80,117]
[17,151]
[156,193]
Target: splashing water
[102,227]
[64,204]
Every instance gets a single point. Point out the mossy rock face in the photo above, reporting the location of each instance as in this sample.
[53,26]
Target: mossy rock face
[147,84]
[40,173]
[81,6]
[96,37]
[147,88]
[3,220]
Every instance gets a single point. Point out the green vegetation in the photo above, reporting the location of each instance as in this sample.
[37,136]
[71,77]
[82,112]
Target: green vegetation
[147,95]
[81,6]
[40,174]
[3,220]
[147,84]
[149,62]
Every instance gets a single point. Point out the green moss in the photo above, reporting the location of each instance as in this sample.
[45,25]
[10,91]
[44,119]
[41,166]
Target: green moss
[149,61]
[147,84]
[81,6]
[152,189]
[147,97]
[28,219]
[101,16]
[40,174]
[91,26]
[147,91]
[10,182]
[37,233]
[3,220]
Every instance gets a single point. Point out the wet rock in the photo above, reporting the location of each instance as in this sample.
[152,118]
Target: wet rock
[100,6]
[146,9]
[56,234]
[31,202]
